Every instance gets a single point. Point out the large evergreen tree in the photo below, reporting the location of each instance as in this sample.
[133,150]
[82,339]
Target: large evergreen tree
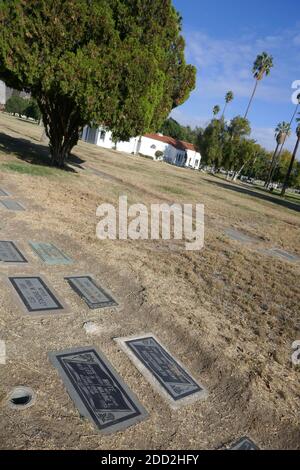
[115,62]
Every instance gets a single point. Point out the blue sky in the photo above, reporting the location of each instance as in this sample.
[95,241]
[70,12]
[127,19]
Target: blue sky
[223,39]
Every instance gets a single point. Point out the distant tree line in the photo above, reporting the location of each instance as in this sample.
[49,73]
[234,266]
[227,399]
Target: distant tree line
[227,146]
[173,129]
[17,105]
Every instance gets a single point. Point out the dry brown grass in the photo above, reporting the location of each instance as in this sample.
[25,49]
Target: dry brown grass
[229,312]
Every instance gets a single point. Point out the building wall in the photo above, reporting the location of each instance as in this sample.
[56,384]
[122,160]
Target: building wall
[193,159]
[175,156]
[149,147]
[144,146]
[89,134]
[129,146]
[2,93]
[103,138]
[6,93]
[9,93]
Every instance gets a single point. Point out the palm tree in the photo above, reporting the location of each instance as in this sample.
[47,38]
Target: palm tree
[261,67]
[216,110]
[282,131]
[291,122]
[228,98]
[288,175]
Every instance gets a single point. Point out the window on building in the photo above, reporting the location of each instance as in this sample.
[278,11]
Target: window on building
[102,135]
[196,162]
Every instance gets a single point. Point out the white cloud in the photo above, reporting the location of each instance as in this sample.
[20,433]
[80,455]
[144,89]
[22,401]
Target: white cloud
[227,64]
[186,119]
[265,137]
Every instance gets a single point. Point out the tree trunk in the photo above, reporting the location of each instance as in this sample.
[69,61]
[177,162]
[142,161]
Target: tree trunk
[286,135]
[62,124]
[234,176]
[238,173]
[288,175]
[275,166]
[251,99]
[223,114]
[268,180]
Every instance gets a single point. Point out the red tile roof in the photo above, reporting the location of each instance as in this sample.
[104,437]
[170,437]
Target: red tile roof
[178,144]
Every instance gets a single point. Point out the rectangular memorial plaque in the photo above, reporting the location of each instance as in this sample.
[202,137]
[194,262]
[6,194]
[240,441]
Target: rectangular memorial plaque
[12,205]
[3,193]
[160,368]
[244,444]
[285,254]
[97,390]
[93,295]
[9,253]
[35,295]
[50,254]
[240,236]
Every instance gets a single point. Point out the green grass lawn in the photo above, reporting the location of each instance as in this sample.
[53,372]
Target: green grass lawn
[288,196]
[33,170]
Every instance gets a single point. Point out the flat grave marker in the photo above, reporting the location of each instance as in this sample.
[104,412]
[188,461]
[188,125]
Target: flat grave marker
[34,295]
[12,205]
[2,352]
[277,252]
[244,444]
[3,193]
[93,295]
[50,254]
[241,237]
[97,390]
[9,253]
[165,373]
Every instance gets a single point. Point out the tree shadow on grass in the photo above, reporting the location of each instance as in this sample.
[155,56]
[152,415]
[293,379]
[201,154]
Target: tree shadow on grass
[253,193]
[30,152]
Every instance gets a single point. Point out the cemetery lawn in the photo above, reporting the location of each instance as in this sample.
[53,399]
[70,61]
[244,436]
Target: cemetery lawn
[229,313]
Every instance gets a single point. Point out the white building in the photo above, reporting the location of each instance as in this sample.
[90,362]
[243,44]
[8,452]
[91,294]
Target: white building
[5,93]
[175,152]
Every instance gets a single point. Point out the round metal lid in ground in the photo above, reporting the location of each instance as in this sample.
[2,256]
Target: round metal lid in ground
[21,398]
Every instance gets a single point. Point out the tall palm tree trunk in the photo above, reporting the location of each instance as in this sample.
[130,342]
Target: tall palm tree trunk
[251,99]
[272,166]
[238,174]
[223,114]
[288,175]
[286,136]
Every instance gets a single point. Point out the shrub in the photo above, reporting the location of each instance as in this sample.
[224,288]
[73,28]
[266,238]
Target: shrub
[16,105]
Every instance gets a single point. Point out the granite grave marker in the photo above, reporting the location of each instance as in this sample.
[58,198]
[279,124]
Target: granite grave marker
[12,205]
[244,444]
[284,255]
[93,295]
[160,368]
[97,390]
[50,254]
[3,193]
[35,296]
[241,237]
[9,253]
